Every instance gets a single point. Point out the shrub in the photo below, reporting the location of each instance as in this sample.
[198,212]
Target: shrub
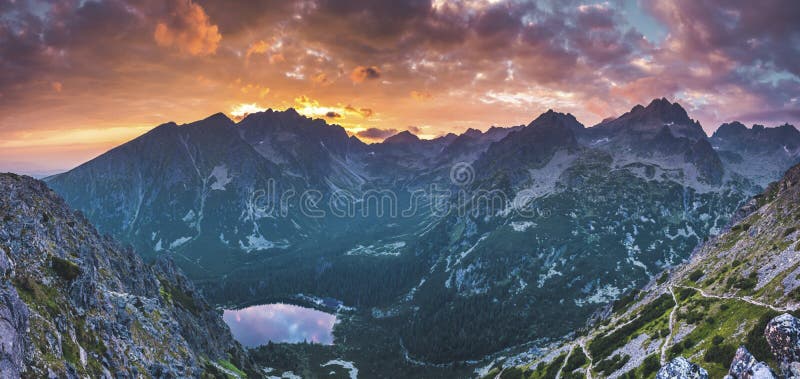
[65,269]
[603,346]
[747,283]
[755,340]
[717,340]
[555,365]
[695,275]
[650,365]
[576,360]
[624,301]
[513,373]
[722,354]
[573,375]
[609,366]
[685,293]
[676,350]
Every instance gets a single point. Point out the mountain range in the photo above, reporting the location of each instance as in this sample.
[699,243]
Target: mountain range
[542,222]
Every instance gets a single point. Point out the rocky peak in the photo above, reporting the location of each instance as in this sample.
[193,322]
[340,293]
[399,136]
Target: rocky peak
[733,127]
[552,119]
[474,133]
[403,138]
[735,136]
[649,120]
[218,117]
[664,110]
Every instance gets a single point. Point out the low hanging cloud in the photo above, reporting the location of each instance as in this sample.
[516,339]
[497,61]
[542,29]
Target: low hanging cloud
[361,74]
[363,112]
[189,29]
[376,133]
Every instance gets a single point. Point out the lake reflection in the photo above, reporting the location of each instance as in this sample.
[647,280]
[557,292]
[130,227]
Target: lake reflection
[257,325]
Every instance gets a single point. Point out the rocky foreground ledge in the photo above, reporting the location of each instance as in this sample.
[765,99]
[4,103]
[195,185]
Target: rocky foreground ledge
[76,304]
[783,336]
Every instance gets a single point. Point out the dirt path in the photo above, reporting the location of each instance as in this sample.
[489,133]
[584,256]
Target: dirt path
[582,344]
[671,327]
[564,364]
[745,299]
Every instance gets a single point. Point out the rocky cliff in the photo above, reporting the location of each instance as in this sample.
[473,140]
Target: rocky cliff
[76,304]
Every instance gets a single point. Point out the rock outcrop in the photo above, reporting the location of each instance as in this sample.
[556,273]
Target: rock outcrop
[75,304]
[681,368]
[783,337]
[746,366]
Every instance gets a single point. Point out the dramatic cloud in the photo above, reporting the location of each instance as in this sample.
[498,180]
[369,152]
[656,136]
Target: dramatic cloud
[67,66]
[361,73]
[188,28]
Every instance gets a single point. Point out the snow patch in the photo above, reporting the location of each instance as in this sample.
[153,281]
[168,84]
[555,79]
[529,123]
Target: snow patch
[178,242]
[388,249]
[521,226]
[221,178]
[603,295]
[257,242]
[189,216]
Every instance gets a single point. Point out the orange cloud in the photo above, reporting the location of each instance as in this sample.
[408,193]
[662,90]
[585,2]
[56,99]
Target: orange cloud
[189,29]
[253,88]
[363,112]
[57,86]
[258,47]
[276,58]
[321,79]
[362,73]
[420,96]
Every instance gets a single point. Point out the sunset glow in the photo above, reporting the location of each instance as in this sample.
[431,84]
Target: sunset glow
[82,77]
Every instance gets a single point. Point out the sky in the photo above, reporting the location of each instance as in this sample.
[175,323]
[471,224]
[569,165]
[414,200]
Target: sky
[78,77]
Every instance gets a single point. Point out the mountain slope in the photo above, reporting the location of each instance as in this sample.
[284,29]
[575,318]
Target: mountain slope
[75,304]
[703,310]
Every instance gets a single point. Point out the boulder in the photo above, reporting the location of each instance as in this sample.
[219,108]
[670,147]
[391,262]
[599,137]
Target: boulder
[746,366]
[681,368]
[783,337]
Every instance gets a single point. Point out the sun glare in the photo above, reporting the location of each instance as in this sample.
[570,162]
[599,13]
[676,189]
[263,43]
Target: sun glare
[242,110]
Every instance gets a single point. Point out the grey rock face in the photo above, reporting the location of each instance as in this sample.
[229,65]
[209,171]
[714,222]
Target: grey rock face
[783,337]
[681,368]
[792,370]
[13,324]
[75,304]
[746,366]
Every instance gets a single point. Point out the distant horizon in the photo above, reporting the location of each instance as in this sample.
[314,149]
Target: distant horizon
[43,172]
